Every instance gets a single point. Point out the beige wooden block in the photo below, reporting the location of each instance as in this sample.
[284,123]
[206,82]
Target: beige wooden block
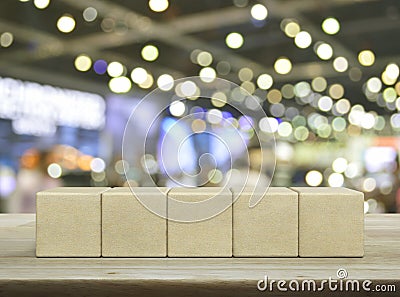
[207,238]
[270,229]
[68,222]
[129,229]
[331,222]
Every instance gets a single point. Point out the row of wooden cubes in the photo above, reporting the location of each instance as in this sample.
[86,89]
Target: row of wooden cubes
[111,222]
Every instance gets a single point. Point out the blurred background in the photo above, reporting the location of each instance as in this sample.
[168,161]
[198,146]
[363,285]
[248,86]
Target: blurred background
[325,72]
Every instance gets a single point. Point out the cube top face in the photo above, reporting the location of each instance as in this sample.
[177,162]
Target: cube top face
[71,191]
[270,192]
[322,191]
[140,190]
[68,222]
[198,194]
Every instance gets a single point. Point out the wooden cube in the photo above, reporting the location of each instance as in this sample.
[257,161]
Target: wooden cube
[129,228]
[68,222]
[270,229]
[207,238]
[331,222]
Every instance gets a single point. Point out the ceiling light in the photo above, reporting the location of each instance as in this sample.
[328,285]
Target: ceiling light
[120,84]
[245,74]
[149,53]
[158,5]
[392,71]
[330,26]
[177,108]
[207,74]
[90,14]
[340,64]
[314,178]
[66,24]
[148,82]
[265,81]
[188,88]
[165,82]
[234,40]
[366,58]
[83,63]
[115,69]
[41,4]
[324,51]
[259,12]
[139,75]
[319,84]
[374,85]
[6,39]
[291,29]
[283,65]
[204,58]
[303,39]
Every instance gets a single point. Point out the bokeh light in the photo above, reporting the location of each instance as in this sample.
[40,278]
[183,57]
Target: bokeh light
[204,58]
[165,82]
[83,63]
[283,65]
[177,108]
[269,125]
[97,165]
[120,84]
[234,40]
[6,39]
[303,39]
[219,99]
[115,69]
[340,64]
[139,75]
[158,5]
[314,178]
[41,4]
[336,180]
[366,58]
[319,84]
[149,53]
[66,24]
[148,82]
[339,165]
[54,170]
[324,51]
[207,74]
[90,14]
[265,81]
[245,74]
[259,12]
[290,27]
[330,26]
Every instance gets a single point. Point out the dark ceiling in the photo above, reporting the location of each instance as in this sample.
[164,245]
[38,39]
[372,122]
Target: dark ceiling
[41,53]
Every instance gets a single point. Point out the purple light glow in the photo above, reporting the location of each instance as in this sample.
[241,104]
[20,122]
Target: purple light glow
[100,66]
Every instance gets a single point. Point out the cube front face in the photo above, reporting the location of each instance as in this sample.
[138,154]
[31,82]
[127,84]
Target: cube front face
[270,229]
[305,222]
[68,222]
[331,222]
[129,228]
[207,238]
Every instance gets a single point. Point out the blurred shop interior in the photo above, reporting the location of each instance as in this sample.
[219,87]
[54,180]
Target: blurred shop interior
[326,74]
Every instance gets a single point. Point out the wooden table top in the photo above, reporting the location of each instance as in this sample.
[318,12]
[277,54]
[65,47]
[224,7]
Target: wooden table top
[22,273]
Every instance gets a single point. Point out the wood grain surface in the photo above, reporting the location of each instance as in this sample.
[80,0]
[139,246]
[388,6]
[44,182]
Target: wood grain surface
[22,274]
